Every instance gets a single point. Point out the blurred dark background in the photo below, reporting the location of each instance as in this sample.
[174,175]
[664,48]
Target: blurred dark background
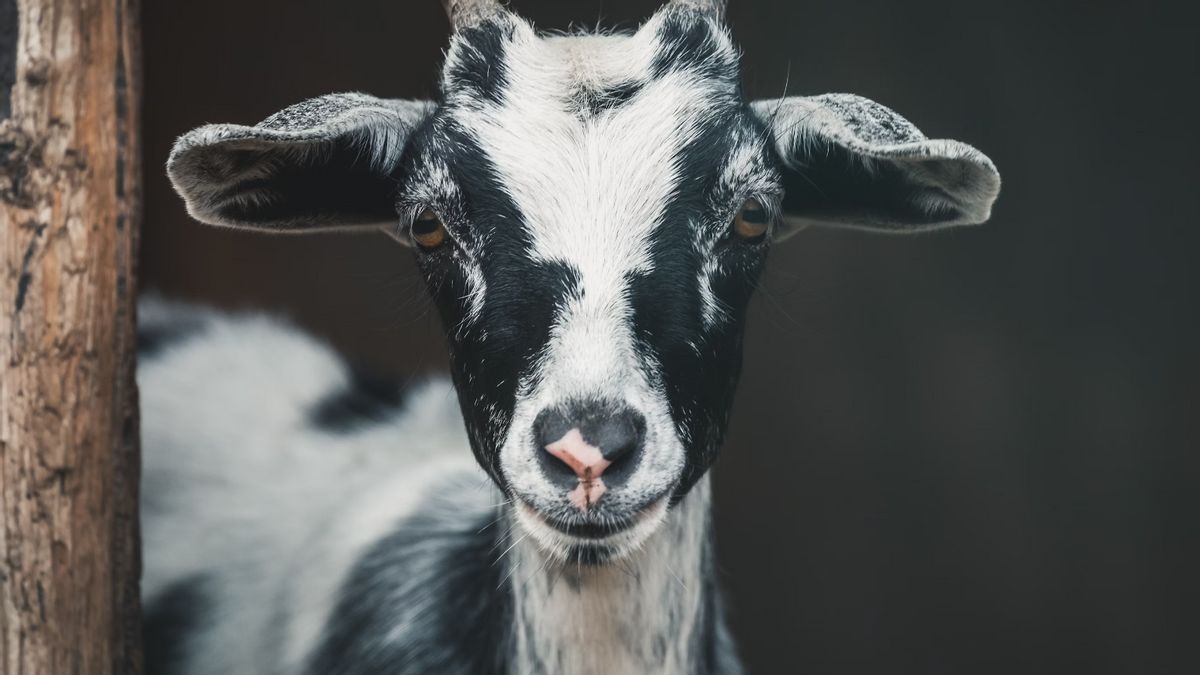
[962,453]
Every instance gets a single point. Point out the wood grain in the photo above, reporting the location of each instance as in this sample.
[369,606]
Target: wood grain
[69,206]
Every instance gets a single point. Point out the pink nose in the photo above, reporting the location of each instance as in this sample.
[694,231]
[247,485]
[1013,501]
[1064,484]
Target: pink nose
[586,461]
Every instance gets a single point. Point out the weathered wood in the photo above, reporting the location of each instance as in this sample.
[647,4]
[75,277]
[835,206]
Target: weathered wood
[69,205]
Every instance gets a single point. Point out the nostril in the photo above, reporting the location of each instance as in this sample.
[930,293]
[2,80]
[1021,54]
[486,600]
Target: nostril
[622,452]
[622,437]
[618,436]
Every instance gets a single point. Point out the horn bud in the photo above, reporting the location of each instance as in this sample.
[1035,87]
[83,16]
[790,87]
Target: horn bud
[465,13]
[713,8]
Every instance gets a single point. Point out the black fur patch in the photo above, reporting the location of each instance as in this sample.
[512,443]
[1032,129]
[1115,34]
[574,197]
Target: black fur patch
[466,610]
[367,399]
[343,187]
[169,618]
[154,339]
[489,356]
[698,366]
[481,68]
[834,183]
[689,42]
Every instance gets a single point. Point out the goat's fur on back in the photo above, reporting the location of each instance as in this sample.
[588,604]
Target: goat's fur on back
[591,214]
[255,508]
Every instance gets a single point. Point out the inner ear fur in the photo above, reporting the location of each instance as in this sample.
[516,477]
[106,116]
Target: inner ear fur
[851,162]
[325,163]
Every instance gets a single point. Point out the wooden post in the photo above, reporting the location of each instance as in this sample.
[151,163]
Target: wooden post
[69,204]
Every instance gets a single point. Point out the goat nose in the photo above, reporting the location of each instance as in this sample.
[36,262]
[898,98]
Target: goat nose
[585,459]
[582,442]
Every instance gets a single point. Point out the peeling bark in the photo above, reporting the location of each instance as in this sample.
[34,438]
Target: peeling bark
[69,207]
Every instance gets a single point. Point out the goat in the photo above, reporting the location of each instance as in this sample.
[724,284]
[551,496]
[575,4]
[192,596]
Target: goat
[591,213]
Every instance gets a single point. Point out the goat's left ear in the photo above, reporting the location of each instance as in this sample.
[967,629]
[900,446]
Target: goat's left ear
[850,162]
[322,164]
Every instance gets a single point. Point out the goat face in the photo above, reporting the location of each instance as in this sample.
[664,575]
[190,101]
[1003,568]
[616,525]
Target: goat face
[591,214]
[591,278]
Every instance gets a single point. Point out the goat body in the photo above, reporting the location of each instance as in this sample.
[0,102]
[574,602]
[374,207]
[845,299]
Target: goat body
[591,214]
[302,518]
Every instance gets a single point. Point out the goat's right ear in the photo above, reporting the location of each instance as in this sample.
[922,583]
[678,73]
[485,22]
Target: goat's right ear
[322,164]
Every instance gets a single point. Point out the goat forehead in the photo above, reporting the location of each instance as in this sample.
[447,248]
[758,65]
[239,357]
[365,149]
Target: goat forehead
[482,61]
[589,60]
[587,135]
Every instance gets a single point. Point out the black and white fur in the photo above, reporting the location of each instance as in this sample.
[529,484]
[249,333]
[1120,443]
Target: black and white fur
[305,518]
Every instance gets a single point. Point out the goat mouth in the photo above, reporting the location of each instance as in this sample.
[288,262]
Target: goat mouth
[591,532]
[579,529]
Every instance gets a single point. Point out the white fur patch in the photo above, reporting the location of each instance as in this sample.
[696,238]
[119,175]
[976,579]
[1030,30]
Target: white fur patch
[614,618]
[241,491]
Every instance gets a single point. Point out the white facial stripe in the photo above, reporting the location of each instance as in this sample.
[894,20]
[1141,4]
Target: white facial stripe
[714,310]
[439,186]
[744,174]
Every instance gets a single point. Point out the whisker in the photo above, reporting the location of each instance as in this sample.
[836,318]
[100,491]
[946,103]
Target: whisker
[510,548]
[674,574]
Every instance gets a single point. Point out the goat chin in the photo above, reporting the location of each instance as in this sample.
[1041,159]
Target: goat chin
[563,547]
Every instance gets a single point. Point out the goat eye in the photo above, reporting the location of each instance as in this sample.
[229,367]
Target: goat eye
[751,222]
[428,230]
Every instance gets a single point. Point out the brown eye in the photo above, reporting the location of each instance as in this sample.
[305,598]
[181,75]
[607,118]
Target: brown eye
[428,230]
[751,222]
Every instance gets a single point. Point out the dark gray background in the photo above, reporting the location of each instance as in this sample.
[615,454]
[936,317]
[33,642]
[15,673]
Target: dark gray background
[962,453]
